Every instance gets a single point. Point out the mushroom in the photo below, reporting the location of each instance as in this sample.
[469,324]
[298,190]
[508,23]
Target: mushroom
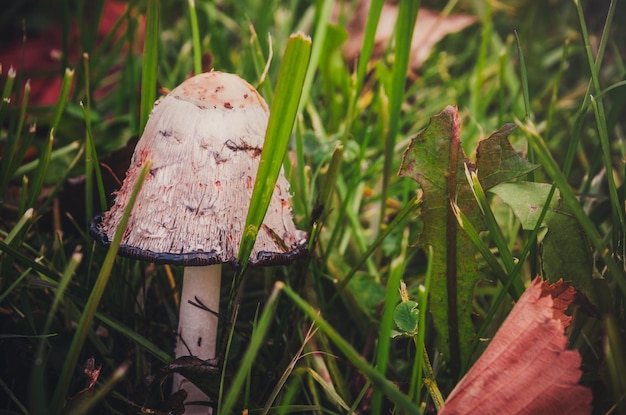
[205,140]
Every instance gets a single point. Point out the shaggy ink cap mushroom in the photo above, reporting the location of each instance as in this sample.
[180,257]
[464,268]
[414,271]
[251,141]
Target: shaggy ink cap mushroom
[205,140]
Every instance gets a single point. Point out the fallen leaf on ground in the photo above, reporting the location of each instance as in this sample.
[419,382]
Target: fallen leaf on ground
[526,369]
[38,56]
[430,28]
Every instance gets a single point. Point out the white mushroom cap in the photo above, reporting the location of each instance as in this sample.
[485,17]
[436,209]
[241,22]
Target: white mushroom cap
[205,140]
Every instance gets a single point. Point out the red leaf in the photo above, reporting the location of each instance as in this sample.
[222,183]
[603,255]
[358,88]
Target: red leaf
[526,369]
[38,56]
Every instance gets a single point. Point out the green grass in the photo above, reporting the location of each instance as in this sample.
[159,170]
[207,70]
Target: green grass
[315,336]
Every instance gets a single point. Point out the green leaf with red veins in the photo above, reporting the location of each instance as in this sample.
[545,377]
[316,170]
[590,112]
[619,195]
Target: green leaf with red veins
[436,161]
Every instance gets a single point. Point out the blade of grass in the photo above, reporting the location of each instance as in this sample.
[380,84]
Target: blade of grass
[328,389]
[524,79]
[360,397]
[617,208]
[7,90]
[229,343]
[392,297]
[280,125]
[55,154]
[93,165]
[403,35]
[369,34]
[616,363]
[555,89]
[477,103]
[430,382]
[36,265]
[324,197]
[89,150]
[10,154]
[58,186]
[14,285]
[135,337]
[41,171]
[12,397]
[89,32]
[262,65]
[417,380]
[495,232]
[62,100]
[319,36]
[85,406]
[38,390]
[286,374]
[84,325]
[150,62]
[19,227]
[91,158]
[248,359]
[195,36]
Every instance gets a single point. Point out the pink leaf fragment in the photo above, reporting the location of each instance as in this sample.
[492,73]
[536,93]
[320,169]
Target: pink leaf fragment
[526,369]
[430,28]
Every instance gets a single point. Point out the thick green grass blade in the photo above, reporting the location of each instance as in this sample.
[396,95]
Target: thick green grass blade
[280,125]
[150,62]
[84,325]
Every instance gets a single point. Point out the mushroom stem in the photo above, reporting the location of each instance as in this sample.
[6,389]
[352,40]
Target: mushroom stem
[197,327]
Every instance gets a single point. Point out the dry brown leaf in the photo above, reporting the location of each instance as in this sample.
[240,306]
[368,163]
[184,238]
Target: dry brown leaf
[92,372]
[526,369]
[430,28]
